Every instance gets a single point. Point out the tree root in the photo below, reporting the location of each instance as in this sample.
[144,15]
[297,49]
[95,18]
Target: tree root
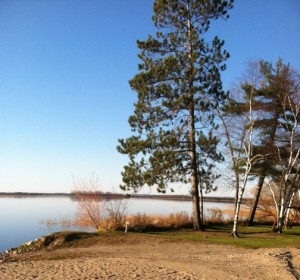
[235,234]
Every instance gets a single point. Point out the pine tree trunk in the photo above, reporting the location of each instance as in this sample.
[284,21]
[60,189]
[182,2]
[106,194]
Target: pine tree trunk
[196,207]
[201,204]
[194,176]
[256,199]
[263,173]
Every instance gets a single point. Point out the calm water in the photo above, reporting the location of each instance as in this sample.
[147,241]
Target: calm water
[24,219]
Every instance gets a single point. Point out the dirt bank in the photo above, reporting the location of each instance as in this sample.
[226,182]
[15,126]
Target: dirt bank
[142,257]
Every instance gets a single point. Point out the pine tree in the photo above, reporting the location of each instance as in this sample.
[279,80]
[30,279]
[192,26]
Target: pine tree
[177,86]
[275,83]
[286,83]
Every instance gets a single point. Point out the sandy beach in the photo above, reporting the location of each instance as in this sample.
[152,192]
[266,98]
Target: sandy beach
[133,257]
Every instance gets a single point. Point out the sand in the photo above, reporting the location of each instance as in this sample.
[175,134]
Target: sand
[154,258]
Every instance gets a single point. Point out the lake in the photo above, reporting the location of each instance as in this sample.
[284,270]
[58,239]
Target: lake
[27,218]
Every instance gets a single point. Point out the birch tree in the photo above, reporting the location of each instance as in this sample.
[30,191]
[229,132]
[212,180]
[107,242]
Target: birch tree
[178,86]
[241,151]
[269,103]
[281,87]
[270,109]
[238,121]
[288,145]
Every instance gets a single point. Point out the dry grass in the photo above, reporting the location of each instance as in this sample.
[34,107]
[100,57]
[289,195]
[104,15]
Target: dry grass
[65,222]
[138,222]
[141,222]
[243,216]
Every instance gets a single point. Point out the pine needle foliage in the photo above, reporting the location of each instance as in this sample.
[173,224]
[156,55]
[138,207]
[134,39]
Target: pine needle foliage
[177,87]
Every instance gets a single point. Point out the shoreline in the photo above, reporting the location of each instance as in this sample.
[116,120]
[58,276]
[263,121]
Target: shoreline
[128,257]
[122,196]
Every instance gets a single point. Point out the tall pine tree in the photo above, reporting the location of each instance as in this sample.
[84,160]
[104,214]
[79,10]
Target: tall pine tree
[177,86]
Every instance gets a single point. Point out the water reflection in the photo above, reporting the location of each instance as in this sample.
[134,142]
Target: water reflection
[27,218]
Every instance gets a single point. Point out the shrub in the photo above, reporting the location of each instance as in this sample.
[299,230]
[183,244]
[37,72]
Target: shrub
[88,196]
[115,213]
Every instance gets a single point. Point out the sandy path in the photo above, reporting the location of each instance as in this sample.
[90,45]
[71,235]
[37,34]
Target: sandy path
[156,259]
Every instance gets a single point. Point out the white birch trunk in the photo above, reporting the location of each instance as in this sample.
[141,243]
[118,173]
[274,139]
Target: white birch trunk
[239,201]
[276,205]
[281,212]
[288,177]
[249,162]
[236,214]
[288,210]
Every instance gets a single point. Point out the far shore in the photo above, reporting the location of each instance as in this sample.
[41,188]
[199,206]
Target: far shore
[109,195]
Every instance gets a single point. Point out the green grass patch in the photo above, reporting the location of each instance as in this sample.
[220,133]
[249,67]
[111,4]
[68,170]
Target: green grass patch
[250,237]
[259,236]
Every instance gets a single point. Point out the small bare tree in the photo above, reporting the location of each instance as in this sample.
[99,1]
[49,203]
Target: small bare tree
[88,195]
[116,212]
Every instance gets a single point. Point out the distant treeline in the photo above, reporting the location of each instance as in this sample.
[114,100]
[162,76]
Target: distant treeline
[30,194]
[118,195]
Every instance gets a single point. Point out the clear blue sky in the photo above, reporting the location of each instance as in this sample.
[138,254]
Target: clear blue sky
[64,71]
